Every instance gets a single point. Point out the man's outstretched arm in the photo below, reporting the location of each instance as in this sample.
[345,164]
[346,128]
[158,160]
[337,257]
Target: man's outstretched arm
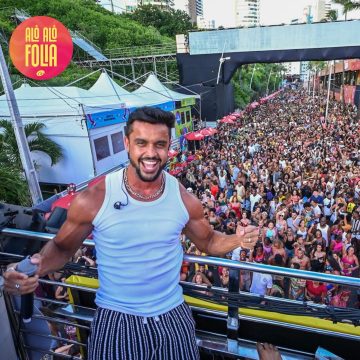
[207,239]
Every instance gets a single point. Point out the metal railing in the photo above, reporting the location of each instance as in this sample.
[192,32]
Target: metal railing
[143,50]
[82,314]
[253,267]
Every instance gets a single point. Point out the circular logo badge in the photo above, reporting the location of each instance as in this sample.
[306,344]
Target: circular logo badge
[41,48]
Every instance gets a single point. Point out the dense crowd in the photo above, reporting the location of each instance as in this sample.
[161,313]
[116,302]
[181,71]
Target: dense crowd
[295,175]
[285,169]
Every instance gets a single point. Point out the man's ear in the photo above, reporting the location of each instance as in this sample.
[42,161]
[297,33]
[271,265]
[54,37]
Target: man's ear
[126,143]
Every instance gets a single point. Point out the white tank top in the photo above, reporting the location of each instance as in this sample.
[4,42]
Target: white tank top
[138,249]
[324,232]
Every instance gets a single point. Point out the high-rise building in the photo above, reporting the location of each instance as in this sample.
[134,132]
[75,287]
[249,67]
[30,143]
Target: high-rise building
[247,12]
[292,68]
[328,6]
[319,10]
[203,23]
[195,10]
[304,71]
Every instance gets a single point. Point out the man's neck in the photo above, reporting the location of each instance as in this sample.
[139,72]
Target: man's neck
[139,185]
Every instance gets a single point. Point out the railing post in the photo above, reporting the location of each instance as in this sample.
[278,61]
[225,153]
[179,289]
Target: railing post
[133,68]
[233,312]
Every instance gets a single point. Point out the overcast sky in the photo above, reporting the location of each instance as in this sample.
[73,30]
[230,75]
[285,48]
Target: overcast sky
[272,12]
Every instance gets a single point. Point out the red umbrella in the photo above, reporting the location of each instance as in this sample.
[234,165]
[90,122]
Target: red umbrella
[175,172]
[208,131]
[172,153]
[64,202]
[194,136]
[205,132]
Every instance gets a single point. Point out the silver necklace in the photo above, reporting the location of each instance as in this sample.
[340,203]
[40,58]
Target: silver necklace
[140,196]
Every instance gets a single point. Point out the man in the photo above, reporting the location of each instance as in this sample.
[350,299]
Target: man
[325,230]
[254,198]
[301,259]
[293,221]
[261,284]
[141,312]
[316,210]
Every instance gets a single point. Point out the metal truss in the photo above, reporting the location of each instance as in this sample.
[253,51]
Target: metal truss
[137,66]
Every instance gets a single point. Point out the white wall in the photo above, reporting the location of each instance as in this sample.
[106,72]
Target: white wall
[113,159]
[76,165]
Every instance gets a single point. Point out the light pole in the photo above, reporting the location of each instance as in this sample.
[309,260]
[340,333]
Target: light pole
[268,82]
[275,81]
[314,76]
[252,76]
[23,146]
[328,92]
[221,61]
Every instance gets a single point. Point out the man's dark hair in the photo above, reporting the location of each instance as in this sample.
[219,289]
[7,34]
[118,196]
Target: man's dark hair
[152,116]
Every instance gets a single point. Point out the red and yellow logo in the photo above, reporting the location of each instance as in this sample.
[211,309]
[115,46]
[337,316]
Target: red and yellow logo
[41,48]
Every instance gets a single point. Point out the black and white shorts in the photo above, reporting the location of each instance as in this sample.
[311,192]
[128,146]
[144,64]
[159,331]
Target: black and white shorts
[119,336]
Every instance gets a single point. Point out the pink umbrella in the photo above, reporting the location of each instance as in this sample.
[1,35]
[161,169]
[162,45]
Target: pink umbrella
[227,121]
[232,117]
[194,136]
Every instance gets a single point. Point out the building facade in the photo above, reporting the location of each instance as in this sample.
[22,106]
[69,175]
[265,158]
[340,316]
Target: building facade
[196,10]
[247,12]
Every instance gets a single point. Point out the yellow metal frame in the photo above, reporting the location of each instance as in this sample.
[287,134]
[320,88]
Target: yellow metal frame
[307,321]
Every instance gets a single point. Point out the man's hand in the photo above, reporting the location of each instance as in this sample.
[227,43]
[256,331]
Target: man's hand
[249,236]
[17,283]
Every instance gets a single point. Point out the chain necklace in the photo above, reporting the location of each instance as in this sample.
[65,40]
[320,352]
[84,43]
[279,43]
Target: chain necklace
[143,197]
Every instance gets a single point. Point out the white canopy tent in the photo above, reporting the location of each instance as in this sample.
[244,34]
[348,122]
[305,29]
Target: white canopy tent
[62,110]
[155,91]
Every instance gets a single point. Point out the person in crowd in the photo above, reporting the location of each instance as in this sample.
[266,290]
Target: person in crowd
[61,292]
[297,285]
[315,291]
[261,284]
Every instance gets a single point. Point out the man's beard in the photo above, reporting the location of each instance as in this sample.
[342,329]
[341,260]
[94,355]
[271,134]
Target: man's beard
[138,171]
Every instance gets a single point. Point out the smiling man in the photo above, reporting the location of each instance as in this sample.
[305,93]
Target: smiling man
[141,311]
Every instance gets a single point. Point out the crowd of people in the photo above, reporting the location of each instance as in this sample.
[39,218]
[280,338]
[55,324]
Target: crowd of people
[295,175]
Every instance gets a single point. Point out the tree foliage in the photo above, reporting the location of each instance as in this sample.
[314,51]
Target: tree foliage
[105,29]
[36,139]
[265,78]
[168,22]
[348,5]
[13,187]
[332,15]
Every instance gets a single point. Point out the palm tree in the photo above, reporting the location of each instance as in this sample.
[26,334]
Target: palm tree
[9,153]
[347,5]
[13,187]
[332,15]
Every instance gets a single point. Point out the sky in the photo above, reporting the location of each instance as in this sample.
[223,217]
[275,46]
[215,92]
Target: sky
[272,12]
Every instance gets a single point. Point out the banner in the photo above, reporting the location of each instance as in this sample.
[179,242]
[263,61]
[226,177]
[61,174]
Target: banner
[41,48]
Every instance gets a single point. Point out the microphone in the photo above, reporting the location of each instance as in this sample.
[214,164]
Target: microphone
[118,205]
[27,301]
